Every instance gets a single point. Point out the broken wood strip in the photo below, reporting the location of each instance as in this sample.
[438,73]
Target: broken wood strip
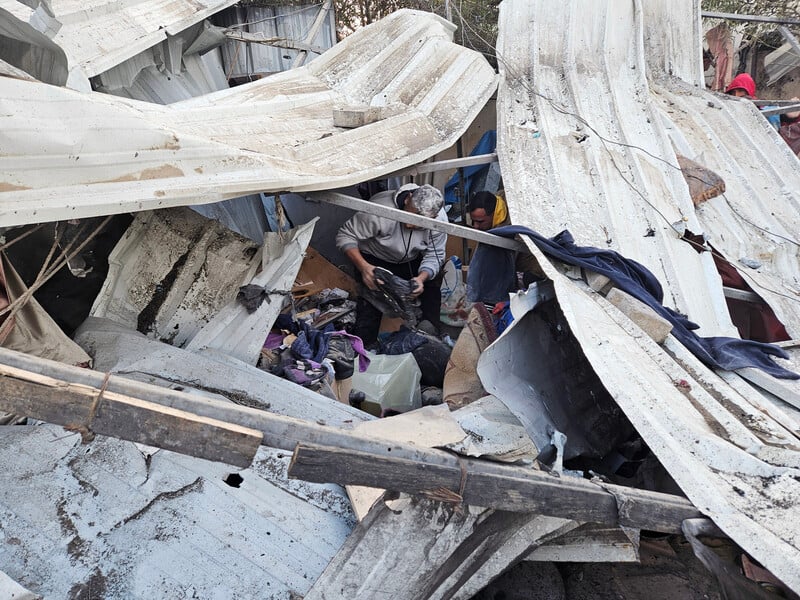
[744,295]
[502,487]
[89,410]
[404,216]
[278,42]
[286,433]
[278,431]
[788,344]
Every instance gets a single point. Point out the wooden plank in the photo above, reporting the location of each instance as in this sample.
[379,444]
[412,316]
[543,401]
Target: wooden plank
[406,217]
[278,431]
[320,273]
[744,295]
[497,486]
[537,532]
[781,110]
[83,409]
[313,31]
[278,42]
[788,344]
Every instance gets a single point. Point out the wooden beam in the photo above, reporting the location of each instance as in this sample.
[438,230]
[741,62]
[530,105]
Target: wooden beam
[788,344]
[312,33]
[278,42]
[753,18]
[502,487]
[763,102]
[278,431]
[87,410]
[447,165]
[406,217]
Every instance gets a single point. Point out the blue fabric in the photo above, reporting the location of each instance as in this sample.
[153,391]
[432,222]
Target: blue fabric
[504,316]
[312,344]
[633,278]
[400,342]
[485,145]
[492,275]
[774,120]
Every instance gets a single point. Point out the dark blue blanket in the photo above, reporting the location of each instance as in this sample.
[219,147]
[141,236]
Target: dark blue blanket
[631,277]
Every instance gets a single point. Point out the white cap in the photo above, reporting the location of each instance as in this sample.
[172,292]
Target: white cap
[409,187]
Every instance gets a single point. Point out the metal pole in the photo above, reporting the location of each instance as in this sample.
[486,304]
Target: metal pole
[462,202]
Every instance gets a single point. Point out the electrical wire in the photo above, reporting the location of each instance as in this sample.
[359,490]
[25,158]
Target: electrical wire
[605,141]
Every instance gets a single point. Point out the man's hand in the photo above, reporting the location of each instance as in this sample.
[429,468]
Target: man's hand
[419,283]
[367,270]
[368,275]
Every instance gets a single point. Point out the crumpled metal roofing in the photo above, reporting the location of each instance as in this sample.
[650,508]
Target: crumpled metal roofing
[99,34]
[122,520]
[70,155]
[585,142]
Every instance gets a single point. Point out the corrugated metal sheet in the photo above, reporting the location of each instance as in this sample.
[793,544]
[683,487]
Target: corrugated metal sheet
[583,144]
[288,22]
[140,79]
[71,154]
[780,62]
[758,218]
[99,34]
[120,520]
[567,100]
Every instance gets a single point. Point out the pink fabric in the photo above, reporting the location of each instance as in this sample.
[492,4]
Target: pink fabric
[720,44]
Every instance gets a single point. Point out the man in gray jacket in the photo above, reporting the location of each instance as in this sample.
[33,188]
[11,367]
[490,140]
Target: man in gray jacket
[407,251]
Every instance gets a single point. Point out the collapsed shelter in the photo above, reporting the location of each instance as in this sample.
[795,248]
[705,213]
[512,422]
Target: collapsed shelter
[593,129]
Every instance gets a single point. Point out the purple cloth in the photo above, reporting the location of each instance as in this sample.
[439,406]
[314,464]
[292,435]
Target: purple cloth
[274,340]
[358,346]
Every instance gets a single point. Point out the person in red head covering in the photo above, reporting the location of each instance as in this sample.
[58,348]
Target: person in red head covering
[742,86]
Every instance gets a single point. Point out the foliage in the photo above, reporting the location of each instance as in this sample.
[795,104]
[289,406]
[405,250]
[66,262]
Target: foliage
[766,8]
[476,19]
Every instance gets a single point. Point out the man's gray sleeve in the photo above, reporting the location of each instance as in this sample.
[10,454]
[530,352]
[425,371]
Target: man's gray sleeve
[435,255]
[359,227]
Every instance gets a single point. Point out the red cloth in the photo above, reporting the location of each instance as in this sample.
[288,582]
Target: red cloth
[755,321]
[790,132]
[743,81]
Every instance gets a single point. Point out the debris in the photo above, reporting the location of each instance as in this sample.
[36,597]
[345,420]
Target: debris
[461,382]
[89,410]
[493,432]
[703,183]
[481,483]
[640,313]
[750,263]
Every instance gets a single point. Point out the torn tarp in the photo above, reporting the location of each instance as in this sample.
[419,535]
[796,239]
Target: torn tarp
[631,277]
